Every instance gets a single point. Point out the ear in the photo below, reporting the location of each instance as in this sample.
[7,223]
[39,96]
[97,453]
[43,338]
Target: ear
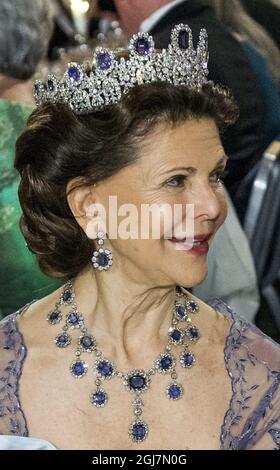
[86,208]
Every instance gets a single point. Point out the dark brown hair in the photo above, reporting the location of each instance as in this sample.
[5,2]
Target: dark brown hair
[58,146]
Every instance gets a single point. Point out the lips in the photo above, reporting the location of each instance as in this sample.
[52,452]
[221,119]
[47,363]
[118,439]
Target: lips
[197,238]
[196,246]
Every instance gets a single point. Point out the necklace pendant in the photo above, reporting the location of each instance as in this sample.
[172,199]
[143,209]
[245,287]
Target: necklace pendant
[174,391]
[54,317]
[138,431]
[137,381]
[104,369]
[187,359]
[87,343]
[99,398]
[74,320]
[78,369]
[63,340]
[192,306]
[180,311]
[67,296]
[165,363]
[192,333]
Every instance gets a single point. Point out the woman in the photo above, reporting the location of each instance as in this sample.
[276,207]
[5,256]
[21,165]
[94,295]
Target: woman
[25,29]
[170,372]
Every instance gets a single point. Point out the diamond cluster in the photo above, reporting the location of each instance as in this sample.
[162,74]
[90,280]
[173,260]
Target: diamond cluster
[90,87]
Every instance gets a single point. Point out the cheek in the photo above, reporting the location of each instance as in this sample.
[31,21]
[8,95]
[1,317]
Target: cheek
[223,207]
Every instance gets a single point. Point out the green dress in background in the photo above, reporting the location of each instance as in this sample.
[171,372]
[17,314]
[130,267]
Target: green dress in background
[20,278]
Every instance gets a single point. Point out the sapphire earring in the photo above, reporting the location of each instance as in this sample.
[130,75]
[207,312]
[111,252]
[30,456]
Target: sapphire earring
[102,258]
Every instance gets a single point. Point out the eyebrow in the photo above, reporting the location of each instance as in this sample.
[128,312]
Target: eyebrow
[191,169]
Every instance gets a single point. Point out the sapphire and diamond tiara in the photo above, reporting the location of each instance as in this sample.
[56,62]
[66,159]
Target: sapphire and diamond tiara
[90,87]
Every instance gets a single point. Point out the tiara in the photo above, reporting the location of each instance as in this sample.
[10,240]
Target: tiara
[103,81]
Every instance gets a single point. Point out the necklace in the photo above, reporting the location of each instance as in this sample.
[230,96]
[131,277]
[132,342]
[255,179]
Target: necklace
[136,381]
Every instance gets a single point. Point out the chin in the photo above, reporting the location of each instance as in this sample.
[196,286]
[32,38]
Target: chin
[190,279]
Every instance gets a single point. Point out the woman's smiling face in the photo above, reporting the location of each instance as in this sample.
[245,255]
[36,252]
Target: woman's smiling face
[182,165]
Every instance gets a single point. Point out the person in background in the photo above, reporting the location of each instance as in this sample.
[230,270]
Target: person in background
[267,13]
[25,29]
[64,30]
[264,57]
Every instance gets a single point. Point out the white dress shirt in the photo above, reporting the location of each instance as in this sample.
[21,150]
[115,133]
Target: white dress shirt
[154,18]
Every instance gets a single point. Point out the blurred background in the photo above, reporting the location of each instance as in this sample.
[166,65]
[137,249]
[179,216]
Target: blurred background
[39,37]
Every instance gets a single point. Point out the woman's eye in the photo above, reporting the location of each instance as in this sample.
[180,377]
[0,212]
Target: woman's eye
[219,176]
[177,181]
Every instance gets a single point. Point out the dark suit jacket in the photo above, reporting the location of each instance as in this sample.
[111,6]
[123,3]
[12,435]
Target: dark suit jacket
[228,65]
[267,14]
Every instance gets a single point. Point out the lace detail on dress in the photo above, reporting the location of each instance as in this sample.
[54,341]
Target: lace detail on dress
[254,406]
[252,360]
[275,434]
[13,354]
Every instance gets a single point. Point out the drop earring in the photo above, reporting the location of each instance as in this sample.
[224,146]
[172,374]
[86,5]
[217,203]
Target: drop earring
[102,258]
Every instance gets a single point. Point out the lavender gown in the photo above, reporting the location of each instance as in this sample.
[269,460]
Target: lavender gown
[252,360]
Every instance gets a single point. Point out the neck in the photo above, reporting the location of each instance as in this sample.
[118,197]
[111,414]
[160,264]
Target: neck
[150,7]
[129,318]
[20,91]
[131,21]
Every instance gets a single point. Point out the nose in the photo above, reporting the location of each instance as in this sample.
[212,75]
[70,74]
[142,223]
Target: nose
[207,204]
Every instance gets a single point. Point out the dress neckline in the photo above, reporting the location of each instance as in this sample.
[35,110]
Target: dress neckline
[238,324]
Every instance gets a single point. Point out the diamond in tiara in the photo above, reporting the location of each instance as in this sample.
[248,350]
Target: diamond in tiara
[87,88]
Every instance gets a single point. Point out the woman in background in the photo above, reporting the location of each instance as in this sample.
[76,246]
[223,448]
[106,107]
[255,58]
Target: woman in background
[264,56]
[25,29]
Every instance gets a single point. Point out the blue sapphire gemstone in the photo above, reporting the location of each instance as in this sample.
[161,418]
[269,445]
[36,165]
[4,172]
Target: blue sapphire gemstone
[192,306]
[139,431]
[99,398]
[66,296]
[50,85]
[183,39]
[103,60]
[166,362]
[102,259]
[86,342]
[73,319]
[78,368]
[143,46]
[193,332]
[176,335]
[137,382]
[62,340]
[73,74]
[187,359]
[181,311]
[54,317]
[174,392]
[105,368]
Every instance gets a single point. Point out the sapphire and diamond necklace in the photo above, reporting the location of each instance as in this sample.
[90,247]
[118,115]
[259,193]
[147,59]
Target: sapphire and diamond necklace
[136,381]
